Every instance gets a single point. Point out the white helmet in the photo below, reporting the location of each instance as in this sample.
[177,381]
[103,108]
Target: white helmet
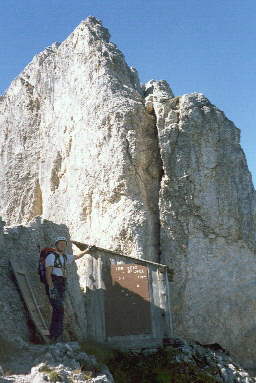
[60,239]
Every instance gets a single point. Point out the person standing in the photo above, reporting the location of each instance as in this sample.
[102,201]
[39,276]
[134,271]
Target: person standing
[56,276]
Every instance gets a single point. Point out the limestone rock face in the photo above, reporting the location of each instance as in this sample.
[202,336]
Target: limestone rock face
[132,168]
[78,146]
[208,221]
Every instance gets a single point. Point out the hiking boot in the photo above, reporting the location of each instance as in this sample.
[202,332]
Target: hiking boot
[51,340]
[56,339]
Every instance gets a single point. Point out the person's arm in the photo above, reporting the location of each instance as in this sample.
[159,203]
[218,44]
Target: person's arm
[80,255]
[48,270]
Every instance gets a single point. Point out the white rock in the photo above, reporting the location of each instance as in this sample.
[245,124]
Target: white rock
[99,158]
[213,277]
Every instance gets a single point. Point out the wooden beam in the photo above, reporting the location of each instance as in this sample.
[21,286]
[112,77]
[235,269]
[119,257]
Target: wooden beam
[30,300]
[82,246]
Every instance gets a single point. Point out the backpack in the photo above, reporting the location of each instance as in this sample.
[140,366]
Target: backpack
[41,263]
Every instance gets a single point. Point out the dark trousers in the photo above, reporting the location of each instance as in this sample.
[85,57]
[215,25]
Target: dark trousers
[56,327]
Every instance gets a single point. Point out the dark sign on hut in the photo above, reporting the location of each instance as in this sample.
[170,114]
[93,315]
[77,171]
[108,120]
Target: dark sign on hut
[128,297]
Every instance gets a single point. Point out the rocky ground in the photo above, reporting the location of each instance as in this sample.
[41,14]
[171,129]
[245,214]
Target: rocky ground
[180,361]
[60,362]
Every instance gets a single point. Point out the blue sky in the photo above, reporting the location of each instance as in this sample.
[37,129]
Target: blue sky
[203,46]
